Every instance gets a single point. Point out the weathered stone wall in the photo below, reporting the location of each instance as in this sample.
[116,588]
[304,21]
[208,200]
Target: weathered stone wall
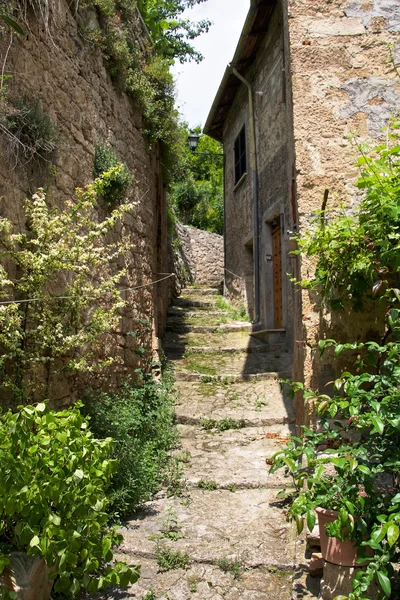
[269,79]
[207,251]
[343,84]
[70,81]
[197,256]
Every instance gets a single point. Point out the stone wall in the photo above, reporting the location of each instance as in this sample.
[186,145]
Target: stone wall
[343,85]
[207,251]
[69,80]
[197,257]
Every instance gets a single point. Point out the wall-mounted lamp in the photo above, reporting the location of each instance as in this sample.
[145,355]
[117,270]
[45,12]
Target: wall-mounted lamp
[193,140]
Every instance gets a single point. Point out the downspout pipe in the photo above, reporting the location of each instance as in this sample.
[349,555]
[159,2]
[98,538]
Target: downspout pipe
[254,170]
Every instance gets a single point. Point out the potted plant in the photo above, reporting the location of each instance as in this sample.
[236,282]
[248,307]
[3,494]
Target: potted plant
[351,463]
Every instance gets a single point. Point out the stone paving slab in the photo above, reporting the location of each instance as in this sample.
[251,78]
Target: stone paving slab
[216,525]
[231,377]
[222,338]
[236,457]
[207,582]
[226,364]
[258,402]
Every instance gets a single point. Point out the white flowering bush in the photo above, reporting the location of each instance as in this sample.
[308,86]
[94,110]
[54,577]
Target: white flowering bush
[58,289]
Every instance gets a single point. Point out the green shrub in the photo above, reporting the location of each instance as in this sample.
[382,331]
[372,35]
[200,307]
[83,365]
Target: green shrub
[140,419]
[53,503]
[30,132]
[115,174]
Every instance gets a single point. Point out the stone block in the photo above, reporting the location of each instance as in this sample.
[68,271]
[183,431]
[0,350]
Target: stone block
[316,566]
[333,26]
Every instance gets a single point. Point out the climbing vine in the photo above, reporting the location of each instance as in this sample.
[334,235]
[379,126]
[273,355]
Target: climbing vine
[357,252]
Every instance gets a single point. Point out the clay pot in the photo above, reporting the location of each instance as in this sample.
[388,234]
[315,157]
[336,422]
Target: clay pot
[28,576]
[334,550]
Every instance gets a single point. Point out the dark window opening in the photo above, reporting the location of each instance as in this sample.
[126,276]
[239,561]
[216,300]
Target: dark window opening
[240,155]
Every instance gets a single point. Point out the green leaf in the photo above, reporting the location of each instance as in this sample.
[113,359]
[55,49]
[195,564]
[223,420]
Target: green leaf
[35,541]
[384,582]
[378,425]
[364,469]
[311,519]
[11,23]
[392,534]
[77,476]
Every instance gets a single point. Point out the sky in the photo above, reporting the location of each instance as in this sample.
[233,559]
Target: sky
[197,85]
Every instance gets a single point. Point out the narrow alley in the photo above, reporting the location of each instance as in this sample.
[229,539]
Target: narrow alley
[216,531]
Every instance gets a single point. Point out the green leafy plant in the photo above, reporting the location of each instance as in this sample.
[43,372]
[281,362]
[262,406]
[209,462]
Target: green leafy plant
[53,501]
[168,559]
[140,420]
[169,31]
[237,313]
[171,529]
[61,277]
[196,194]
[357,251]
[115,174]
[351,463]
[30,132]
[231,565]
[207,484]
[149,595]
[222,424]
[175,482]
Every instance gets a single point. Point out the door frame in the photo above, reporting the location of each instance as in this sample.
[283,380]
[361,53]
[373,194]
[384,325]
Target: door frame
[267,272]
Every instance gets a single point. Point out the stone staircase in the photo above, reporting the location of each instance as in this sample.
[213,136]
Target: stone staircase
[217,531]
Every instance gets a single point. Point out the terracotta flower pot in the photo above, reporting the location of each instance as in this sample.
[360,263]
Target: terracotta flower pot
[334,550]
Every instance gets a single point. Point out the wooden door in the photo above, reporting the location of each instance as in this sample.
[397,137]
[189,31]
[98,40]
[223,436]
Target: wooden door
[277,272]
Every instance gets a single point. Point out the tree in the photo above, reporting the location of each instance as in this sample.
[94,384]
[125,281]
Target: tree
[197,191]
[169,31]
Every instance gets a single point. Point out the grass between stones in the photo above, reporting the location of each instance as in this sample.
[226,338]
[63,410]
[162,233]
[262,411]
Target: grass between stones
[231,565]
[168,559]
[205,364]
[207,484]
[222,424]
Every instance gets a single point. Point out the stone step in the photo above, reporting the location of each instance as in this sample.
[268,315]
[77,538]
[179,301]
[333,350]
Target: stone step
[223,337]
[205,581]
[215,525]
[182,327]
[234,458]
[176,351]
[200,291]
[232,363]
[194,303]
[231,377]
[257,402]
[184,313]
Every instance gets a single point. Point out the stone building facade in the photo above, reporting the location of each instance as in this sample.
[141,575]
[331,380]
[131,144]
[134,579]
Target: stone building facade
[313,73]
[68,79]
